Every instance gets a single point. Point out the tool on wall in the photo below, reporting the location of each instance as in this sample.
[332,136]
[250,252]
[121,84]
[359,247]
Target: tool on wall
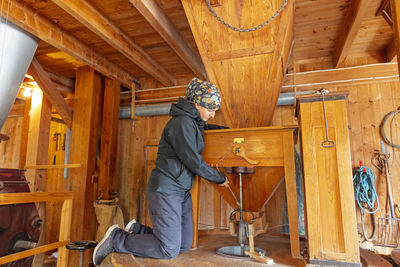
[388,228]
[327,143]
[391,115]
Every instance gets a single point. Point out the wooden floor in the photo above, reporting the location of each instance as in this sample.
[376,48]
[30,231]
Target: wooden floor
[278,248]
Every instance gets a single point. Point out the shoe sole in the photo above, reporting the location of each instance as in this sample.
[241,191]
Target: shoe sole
[107,234]
[128,226]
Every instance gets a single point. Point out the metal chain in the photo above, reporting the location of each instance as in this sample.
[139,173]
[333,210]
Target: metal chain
[247,29]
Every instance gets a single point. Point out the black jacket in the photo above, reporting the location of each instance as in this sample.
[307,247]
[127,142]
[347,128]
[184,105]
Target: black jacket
[179,153]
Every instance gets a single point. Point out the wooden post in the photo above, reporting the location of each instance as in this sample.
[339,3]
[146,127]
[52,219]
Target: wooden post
[291,193]
[87,103]
[109,137]
[65,231]
[24,134]
[395,7]
[195,207]
[38,144]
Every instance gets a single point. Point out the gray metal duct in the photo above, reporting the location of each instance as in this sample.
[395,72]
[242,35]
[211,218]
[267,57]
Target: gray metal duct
[17,48]
[163,109]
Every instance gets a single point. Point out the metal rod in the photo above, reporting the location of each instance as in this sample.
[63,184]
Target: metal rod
[241,197]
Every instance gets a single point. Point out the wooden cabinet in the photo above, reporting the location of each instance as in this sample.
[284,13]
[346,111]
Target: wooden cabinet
[329,197]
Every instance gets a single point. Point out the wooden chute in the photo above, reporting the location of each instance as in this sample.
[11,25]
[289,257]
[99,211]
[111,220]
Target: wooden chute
[247,67]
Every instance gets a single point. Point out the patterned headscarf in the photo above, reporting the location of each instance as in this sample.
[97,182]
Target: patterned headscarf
[203,93]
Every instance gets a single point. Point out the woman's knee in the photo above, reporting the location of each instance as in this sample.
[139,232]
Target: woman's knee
[171,252]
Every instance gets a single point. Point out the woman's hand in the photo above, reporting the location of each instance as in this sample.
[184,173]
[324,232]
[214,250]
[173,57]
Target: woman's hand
[226,183]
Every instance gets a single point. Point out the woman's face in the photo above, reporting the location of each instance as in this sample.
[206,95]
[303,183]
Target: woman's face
[205,114]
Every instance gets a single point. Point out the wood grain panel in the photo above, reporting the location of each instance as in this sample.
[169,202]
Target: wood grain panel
[331,219]
[233,59]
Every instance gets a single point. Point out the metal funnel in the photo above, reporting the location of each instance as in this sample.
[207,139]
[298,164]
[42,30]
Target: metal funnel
[17,48]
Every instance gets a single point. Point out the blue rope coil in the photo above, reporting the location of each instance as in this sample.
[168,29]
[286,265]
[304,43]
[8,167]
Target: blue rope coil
[364,189]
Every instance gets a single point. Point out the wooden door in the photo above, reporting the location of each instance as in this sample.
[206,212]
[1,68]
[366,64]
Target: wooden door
[329,196]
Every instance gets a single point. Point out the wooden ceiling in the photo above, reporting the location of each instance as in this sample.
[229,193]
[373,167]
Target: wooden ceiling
[116,39]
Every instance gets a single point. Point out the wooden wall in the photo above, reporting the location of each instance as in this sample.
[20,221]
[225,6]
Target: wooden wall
[9,150]
[367,106]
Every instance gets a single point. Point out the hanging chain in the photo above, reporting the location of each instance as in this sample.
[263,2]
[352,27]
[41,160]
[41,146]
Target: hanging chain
[247,29]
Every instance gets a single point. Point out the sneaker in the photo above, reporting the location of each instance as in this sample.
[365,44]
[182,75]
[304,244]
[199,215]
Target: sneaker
[105,246]
[130,226]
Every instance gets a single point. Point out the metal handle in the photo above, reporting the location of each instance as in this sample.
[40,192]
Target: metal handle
[327,143]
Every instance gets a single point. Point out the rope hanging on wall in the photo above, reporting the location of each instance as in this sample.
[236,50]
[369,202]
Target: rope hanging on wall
[246,29]
[364,189]
[384,136]
[365,195]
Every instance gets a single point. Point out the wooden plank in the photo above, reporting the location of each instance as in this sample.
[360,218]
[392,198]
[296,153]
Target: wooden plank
[19,198]
[346,191]
[38,139]
[217,208]
[60,166]
[33,22]
[109,138]
[291,193]
[33,251]
[328,189]
[24,134]
[54,96]
[350,26]
[94,20]
[133,99]
[309,80]
[87,102]
[124,260]
[395,7]
[65,232]
[164,26]
[195,191]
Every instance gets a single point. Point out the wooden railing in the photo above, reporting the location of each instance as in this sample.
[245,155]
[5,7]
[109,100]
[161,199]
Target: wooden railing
[65,224]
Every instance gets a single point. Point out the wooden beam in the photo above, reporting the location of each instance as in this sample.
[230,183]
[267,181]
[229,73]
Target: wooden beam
[350,26]
[38,25]
[85,129]
[46,167]
[310,80]
[62,83]
[47,86]
[37,147]
[395,7]
[391,52]
[164,26]
[109,139]
[89,16]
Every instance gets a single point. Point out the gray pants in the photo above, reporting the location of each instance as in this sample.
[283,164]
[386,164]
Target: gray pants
[171,216]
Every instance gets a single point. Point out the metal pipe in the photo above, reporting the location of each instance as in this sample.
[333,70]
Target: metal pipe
[17,48]
[163,109]
[143,111]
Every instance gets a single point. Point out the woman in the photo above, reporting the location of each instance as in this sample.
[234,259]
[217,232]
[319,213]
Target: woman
[168,191]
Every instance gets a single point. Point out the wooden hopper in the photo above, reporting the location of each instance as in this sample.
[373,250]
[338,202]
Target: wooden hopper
[247,67]
[270,152]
